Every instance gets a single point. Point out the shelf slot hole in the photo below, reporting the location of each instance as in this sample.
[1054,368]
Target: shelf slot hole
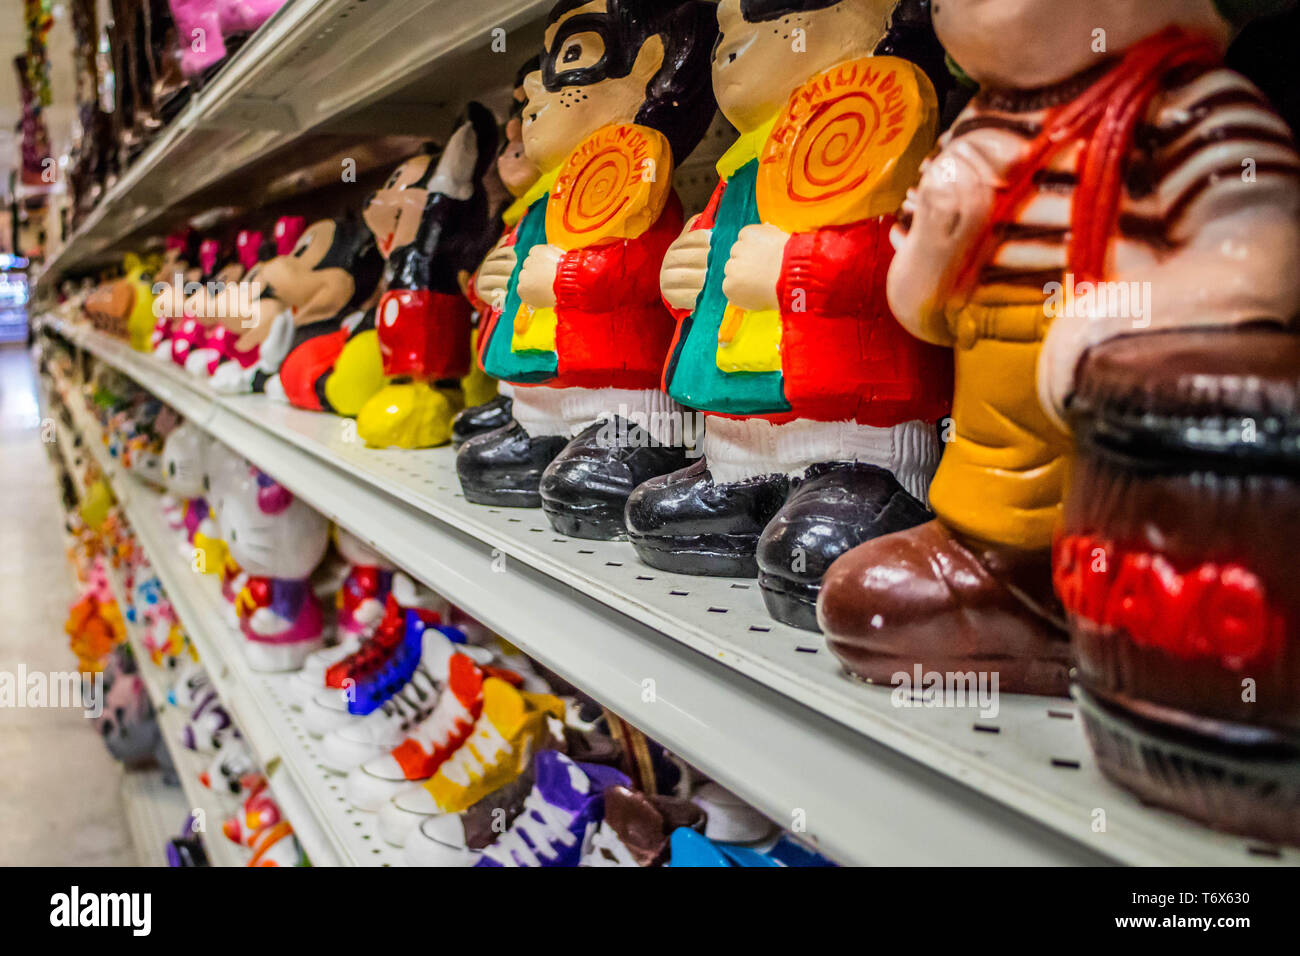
[1065,764]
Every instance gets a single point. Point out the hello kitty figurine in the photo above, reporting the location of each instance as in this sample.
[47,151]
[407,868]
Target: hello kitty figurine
[183,473]
[278,540]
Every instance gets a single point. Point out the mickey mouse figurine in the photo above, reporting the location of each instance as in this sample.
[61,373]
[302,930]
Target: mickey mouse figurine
[821,410]
[578,329]
[432,224]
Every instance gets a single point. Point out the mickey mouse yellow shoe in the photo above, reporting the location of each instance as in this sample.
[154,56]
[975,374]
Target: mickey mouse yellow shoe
[358,375]
[409,415]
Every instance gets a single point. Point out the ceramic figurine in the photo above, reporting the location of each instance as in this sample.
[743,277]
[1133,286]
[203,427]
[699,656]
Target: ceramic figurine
[180,251]
[325,285]
[245,318]
[184,471]
[190,331]
[278,540]
[431,222]
[360,602]
[1021,246]
[578,328]
[517,174]
[209,306]
[821,412]
[216,21]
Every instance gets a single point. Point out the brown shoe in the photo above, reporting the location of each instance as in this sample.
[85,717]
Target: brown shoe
[924,596]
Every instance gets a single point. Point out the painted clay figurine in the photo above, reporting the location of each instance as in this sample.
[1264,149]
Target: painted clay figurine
[821,411]
[517,174]
[278,540]
[245,318]
[1110,178]
[325,285]
[578,328]
[430,223]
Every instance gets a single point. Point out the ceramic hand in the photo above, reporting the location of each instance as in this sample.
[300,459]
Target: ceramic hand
[494,276]
[537,277]
[685,265]
[368,613]
[949,207]
[754,268]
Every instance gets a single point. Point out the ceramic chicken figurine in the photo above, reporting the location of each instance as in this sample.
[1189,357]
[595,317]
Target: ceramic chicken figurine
[325,285]
[821,412]
[578,328]
[278,540]
[432,224]
[517,174]
[1110,179]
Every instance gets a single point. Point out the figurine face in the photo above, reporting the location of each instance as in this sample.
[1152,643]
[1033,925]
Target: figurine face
[183,461]
[1029,43]
[587,80]
[357,553]
[516,170]
[393,213]
[304,282]
[759,59]
[271,533]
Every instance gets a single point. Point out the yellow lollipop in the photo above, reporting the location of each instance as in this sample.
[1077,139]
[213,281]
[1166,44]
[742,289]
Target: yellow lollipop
[613,185]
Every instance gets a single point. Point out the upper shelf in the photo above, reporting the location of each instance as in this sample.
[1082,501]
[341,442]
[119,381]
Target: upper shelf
[318,78]
[697,664]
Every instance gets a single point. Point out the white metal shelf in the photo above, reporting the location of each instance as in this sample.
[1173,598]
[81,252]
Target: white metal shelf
[697,663]
[345,70]
[154,812]
[331,832]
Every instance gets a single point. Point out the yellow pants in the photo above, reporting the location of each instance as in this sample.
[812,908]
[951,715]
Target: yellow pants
[1004,468]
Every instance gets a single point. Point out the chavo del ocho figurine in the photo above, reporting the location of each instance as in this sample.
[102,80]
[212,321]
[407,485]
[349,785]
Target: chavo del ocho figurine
[517,173]
[821,411]
[1110,179]
[577,329]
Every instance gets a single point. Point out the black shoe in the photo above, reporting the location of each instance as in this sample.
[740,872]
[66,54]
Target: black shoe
[480,419]
[684,522]
[504,466]
[585,489]
[834,507]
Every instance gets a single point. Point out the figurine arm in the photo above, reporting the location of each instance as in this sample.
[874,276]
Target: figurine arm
[1232,213]
[619,273]
[837,270]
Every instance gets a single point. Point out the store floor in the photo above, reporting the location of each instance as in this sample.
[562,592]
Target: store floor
[60,802]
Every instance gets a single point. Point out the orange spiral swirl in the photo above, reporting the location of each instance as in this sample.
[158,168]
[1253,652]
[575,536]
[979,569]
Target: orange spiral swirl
[613,185]
[847,145]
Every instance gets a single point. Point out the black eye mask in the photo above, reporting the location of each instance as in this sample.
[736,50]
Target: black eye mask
[615,62]
[760,11]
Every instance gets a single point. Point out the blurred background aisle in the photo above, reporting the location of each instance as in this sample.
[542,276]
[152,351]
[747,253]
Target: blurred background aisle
[53,812]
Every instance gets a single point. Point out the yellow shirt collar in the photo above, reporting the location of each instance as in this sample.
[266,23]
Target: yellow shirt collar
[515,211]
[744,149]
